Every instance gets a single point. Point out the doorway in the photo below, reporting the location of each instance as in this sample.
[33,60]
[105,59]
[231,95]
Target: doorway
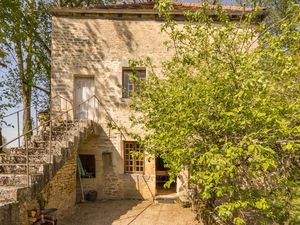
[162,177]
[84,90]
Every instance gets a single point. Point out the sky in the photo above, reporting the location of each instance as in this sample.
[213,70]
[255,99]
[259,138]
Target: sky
[12,132]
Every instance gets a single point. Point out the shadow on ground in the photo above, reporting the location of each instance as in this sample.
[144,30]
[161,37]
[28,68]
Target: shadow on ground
[128,212]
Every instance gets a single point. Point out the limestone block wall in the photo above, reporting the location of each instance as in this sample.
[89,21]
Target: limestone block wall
[111,182]
[101,48]
[60,192]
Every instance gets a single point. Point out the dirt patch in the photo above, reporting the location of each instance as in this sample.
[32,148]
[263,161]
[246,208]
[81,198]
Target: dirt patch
[128,212]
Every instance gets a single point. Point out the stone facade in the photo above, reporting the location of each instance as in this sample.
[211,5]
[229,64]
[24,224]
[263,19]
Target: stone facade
[98,43]
[101,48]
[60,192]
[111,182]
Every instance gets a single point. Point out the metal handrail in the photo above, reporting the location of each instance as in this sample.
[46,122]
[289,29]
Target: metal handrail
[51,120]
[36,114]
[20,110]
[17,111]
[18,118]
[50,137]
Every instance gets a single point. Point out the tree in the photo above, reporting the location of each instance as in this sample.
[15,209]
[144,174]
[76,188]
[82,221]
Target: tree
[228,112]
[4,105]
[82,3]
[25,27]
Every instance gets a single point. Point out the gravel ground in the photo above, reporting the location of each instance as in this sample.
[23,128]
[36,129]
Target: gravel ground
[127,212]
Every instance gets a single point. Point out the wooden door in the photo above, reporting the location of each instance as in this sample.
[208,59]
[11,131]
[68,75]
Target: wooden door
[84,90]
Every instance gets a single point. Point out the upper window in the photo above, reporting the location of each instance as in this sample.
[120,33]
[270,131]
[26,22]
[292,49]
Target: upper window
[130,85]
[133,157]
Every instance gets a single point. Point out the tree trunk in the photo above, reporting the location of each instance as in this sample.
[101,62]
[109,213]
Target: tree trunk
[1,140]
[27,123]
[25,90]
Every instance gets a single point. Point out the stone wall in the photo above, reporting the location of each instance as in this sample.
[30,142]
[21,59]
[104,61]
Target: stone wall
[60,192]
[111,182]
[101,48]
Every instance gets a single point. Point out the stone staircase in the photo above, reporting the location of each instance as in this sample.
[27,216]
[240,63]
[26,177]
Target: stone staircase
[15,186]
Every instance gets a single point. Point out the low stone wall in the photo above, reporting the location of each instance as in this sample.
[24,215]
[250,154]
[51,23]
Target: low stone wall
[138,186]
[60,192]
[8,214]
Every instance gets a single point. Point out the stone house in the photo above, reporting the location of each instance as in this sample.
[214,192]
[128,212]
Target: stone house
[90,53]
[91,48]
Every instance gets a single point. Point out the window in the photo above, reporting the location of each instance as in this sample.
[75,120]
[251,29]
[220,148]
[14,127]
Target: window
[129,85]
[133,157]
[87,166]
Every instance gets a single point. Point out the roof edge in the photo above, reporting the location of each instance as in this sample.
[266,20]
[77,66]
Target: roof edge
[148,9]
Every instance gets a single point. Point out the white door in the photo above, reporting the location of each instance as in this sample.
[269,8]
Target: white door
[83,103]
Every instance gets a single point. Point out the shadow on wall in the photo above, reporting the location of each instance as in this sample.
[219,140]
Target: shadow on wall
[126,35]
[84,49]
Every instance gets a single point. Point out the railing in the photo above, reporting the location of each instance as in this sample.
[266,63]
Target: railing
[53,119]
[50,123]
[17,114]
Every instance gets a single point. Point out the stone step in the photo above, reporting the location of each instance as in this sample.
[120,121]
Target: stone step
[21,168]
[38,159]
[8,194]
[13,178]
[31,151]
[57,134]
[45,144]
[166,199]
[63,128]
[19,180]
[6,202]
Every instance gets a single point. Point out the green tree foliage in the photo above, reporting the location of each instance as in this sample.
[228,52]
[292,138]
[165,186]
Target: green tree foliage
[278,9]
[82,3]
[4,98]
[25,39]
[227,111]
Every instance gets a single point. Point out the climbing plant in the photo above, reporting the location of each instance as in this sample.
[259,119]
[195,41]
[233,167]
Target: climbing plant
[227,111]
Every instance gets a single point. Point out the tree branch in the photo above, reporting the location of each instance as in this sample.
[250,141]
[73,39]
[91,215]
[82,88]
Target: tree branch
[37,87]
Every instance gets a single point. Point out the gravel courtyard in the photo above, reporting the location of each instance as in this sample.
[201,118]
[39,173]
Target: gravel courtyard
[128,212]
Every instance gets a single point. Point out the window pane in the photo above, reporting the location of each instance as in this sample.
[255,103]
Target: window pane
[132,164]
[125,84]
[129,86]
[141,74]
